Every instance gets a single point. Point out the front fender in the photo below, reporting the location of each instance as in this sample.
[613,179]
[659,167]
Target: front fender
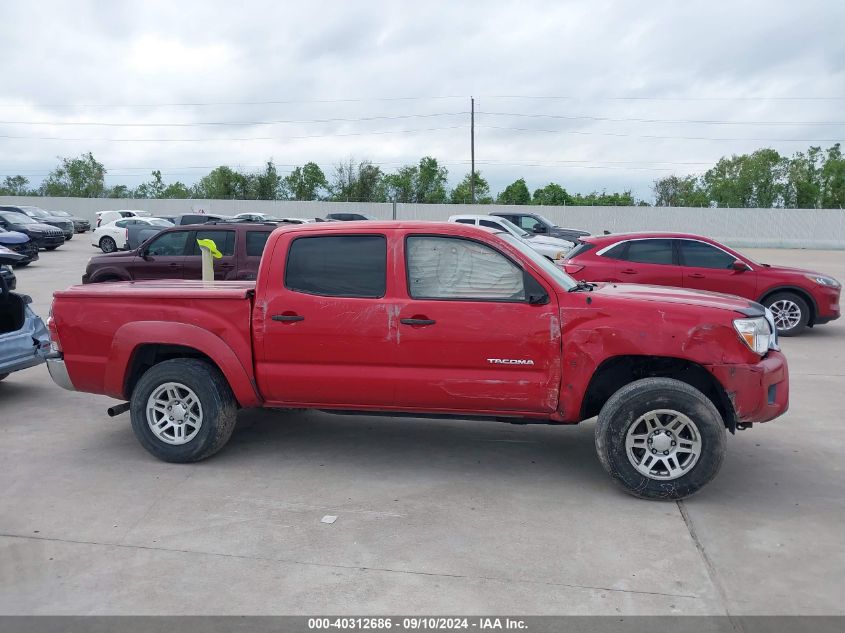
[131,336]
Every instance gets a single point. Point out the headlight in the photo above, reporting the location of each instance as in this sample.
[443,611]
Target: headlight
[823,280]
[755,332]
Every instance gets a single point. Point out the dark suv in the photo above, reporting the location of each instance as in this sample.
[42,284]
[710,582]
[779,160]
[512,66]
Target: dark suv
[348,217]
[536,223]
[45,217]
[173,254]
[44,235]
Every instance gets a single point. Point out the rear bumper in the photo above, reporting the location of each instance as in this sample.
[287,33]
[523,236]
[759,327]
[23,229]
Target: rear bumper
[758,392]
[58,372]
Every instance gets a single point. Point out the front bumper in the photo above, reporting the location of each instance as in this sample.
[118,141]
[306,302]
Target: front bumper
[758,392]
[47,240]
[81,227]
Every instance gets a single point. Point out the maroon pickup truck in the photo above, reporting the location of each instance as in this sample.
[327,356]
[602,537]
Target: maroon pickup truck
[422,319]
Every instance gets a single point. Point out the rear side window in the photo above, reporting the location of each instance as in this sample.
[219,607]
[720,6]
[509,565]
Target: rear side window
[223,240]
[255,242]
[580,249]
[338,266]
[701,255]
[490,225]
[453,268]
[650,252]
[617,252]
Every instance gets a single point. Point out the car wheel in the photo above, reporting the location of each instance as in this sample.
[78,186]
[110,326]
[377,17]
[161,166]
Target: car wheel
[660,438]
[183,410]
[22,264]
[50,248]
[68,238]
[3,376]
[791,313]
[107,244]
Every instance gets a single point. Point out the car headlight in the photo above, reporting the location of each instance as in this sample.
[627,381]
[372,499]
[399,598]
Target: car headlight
[756,333]
[824,280]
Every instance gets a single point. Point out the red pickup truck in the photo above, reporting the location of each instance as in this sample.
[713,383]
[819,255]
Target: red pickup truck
[428,319]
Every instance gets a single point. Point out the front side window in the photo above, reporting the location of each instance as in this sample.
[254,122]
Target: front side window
[453,268]
[701,255]
[338,266]
[650,252]
[223,240]
[169,244]
[528,223]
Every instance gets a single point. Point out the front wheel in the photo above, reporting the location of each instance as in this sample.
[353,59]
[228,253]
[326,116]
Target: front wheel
[660,438]
[183,410]
[50,248]
[108,245]
[791,313]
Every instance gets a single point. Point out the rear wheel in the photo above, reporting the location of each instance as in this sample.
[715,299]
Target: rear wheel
[660,438]
[107,244]
[790,311]
[183,410]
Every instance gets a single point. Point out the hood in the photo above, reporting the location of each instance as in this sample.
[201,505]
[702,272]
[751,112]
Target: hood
[39,226]
[668,294]
[798,272]
[13,237]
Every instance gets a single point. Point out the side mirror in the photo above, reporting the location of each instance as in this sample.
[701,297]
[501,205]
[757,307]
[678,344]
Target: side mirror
[145,255]
[539,228]
[740,266]
[538,300]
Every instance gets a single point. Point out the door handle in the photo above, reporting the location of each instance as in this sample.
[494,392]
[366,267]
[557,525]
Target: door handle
[174,265]
[287,318]
[417,321]
[696,276]
[628,271]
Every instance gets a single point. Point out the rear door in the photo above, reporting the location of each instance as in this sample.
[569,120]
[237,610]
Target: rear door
[648,261]
[706,267]
[323,334]
[164,257]
[224,268]
[468,338]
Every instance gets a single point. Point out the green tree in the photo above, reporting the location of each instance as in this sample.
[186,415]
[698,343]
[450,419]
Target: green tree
[748,180]
[552,194]
[515,193]
[305,183]
[14,186]
[268,184]
[152,189]
[81,177]
[401,186]
[361,182]
[461,194]
[833,179]
[424,183]
[176,190]
[220,183]
[679,191]
[119,191]
[604,199]
[802,189]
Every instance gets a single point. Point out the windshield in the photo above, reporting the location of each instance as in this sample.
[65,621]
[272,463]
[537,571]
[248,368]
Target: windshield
[159,222]
[513,228]
[555,272]
[63,214]
[35,211]
[18,218]
[545,219]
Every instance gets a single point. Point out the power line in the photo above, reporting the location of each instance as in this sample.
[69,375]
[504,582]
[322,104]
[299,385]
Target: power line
[235,123]
[641,120]
[227,103]
[247,138]
[616,98]
[671,138]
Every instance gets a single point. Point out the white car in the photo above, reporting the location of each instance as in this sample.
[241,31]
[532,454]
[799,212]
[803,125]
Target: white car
[551,247]
[104,217]
[114,236]
[266,217]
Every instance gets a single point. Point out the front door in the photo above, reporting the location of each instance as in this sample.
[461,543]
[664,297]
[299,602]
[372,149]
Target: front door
[468,339]
[323,337]
[164,257]
[706,267]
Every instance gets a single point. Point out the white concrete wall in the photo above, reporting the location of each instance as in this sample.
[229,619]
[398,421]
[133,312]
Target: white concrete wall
[772,228]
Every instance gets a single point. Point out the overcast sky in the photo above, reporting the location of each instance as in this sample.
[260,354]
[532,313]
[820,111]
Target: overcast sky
[627,88]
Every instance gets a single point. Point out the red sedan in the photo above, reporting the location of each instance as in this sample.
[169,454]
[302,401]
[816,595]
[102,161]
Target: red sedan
[797,298]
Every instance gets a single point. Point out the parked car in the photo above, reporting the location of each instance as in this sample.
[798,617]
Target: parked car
[44,217]
[24,340]
[104,217]
[550,247]
[45,236]
[797,298]
[536,223]
[124,234]
[80,225]
[199,218]
[257,217]
[424,318]
[348,217]
[21,244]
[173,254]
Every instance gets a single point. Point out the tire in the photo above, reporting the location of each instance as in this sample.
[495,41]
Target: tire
[107,244]
[627,412]
[50,248]
[217,410]
[791,313]
[3,376]
[68,238]
[22,264]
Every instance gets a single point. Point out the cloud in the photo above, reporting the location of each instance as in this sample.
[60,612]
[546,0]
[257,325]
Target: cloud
[63,63]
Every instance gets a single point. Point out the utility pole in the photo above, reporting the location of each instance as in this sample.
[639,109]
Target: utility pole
[472,150]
